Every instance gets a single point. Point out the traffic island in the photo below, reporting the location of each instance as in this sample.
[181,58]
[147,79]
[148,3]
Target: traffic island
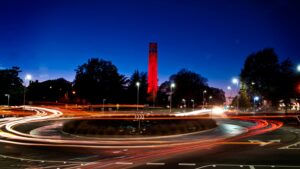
[129,127]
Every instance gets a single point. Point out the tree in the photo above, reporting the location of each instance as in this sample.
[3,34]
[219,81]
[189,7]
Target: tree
[189,85]
[99,79]
[242,100]
[217,96]
[11,83]
[260,74]
[263,75]
[140,77]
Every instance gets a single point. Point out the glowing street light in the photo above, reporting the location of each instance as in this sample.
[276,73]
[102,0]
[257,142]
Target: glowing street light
[229,88]
[298,68]
[210,98]
[137,95]
[8,96]
[28,77]
[255,99]
[236,81]
[171,88]
[203,93]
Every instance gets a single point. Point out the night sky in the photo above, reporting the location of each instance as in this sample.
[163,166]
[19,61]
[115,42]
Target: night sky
[50,38]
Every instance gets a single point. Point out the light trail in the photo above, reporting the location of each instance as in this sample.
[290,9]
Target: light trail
[193,113]
[157,147]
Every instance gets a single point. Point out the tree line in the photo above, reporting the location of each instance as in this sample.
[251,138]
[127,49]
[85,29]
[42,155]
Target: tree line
[98,81]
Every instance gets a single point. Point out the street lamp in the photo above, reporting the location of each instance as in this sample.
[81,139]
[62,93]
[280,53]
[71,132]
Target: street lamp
[255,99]
[193,103]
[236,81]
[137,95]
[204,92]
[298,68]
[103,101]
[171,87]
[229,94]
[184,105]
[27,77]
[8,96]
[210,98]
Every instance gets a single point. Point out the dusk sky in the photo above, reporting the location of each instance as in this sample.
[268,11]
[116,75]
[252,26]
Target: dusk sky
[50,38]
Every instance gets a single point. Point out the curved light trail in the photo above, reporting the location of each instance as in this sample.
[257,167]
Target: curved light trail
[157,147]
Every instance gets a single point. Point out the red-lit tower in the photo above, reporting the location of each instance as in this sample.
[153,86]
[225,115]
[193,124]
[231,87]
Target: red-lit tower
[152,72]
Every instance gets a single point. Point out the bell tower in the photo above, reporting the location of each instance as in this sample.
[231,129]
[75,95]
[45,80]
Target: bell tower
[152,72]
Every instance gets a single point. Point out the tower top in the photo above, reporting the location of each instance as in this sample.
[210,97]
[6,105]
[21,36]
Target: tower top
[153,47]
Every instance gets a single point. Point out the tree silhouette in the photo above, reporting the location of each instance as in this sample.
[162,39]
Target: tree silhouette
[260,74]
[287,82]
[97,80]
[243,101]
[189,85]
[263,75]
[11,83]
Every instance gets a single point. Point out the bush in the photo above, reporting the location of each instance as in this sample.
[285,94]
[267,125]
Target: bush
[128,127]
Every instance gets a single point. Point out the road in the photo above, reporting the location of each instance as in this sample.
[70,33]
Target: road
[36,141]
[276,149]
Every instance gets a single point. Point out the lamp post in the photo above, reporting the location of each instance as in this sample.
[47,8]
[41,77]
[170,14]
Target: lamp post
[210,98]
[229,94]
[27,77]
[236,81]
[255,99]
[203,93]
[184,105]
[8,96]
[193,103]
[137,95]
[171,88]
[103,101]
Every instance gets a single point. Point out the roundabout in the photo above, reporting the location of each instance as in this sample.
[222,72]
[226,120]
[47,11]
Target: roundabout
[45,129]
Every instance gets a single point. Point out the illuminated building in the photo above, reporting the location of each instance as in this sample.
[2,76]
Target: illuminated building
[152,72]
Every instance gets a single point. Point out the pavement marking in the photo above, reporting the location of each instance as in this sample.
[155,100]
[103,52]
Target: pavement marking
[186,164]
[155,163]
[291,145]
[37,160]
[264,143]
[85,157]
[124,163]
[251,167]
[60,166]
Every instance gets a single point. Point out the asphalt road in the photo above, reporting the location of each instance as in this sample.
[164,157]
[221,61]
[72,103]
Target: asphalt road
[282,152]
[265,144]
